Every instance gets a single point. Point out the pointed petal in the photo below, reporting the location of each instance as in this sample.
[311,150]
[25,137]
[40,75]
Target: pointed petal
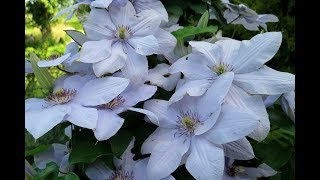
[54,62]
[83,116]
[140,169]
[156,5]
[208,123]
[166,157]
[266,81]
[167,42]
[95,51]
[158,136]
[232,124]
[102,90]
[257,51]
[267,18]
[270,100]
[146,23]
[206,161]
[143,111]
[77,36]
[166,116]
[63,11]
[146,45]
[122,15]
[111,64]
[240,149]
[108,124]
[135,94]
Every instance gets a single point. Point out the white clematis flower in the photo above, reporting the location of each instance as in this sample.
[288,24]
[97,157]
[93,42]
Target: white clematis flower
[69,101]
[233,172]
[251,77]
[121,39]
[241,14]
[57,153]
[109,122]
[192,131]
[126,168]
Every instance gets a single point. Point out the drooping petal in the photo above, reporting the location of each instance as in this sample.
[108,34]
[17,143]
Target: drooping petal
[111,64]
[146,45]
[191,69]
[212,52]
[141,5]
[167,42]
[40,121]
[270,100]
[102,90]
[136,67]
[215,95]
[288,104]
[232,124]
[95,51]
[265,81]
[166,157]
[83,116]
[158,136]
[240,149]
[157,77]
[98,171]
[166,116]
[191,88]
[255,52]
[267,18]
[54,62]
[206,160]
[108,124]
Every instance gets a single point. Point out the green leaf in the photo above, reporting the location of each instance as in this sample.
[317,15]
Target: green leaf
[42,74]
[203,21]
[85,147]
[175,10]
[36,150]
[279,119]
[216,9]
[180,34]
[198,7]
[69,176]
[49,173]
[120,141]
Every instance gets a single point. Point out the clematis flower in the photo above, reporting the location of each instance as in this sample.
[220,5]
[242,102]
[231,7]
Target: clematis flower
[121,39]
[161,77]
[69,101]
[109,122]
[126,168]
[241,14]
[156,5]
[233,172]
[57,153]
[251,77]
[192,131]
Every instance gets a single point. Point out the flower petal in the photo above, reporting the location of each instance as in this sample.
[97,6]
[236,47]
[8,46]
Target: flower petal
[257,51]
[270,100]
[146,23]
[102,90]
[266,81]
[206,161]
[167,42]
[288,104]
[98,171]
[95,51]
[76,81]
[230,48]
[208,123]
[135,94]
[122,15]
[40,121]
[111,64]
[101,3]
[212,52]
[143,111]
[166,116]
[232,124]
[140,169]
[54,62]
[158,136]
[126,161]
[267,18]
[166,157]
[108,124]
[156,5]
[83,116]
[240,149]
[146,45]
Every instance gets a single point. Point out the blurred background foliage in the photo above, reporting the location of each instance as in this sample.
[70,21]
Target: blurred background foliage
[47,39]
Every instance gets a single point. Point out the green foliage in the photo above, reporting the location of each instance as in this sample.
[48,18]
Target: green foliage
[203,21]
[185,32]
[120,141]
[51,173]
[42,74]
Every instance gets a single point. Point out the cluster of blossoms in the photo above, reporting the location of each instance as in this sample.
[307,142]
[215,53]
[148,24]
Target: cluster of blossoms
[220,99]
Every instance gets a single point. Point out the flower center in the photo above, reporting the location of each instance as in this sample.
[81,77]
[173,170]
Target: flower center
[123,32]
[187,123]
[118,101]
[121,175]
[62,96]
[222,68]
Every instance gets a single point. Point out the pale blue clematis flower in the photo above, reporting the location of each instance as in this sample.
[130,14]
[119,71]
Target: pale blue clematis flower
[241,14]
[109,122]
[192,130]
[121,39]
[246,59]
[69,101]
[57,153]
[126,168]
[233,172]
